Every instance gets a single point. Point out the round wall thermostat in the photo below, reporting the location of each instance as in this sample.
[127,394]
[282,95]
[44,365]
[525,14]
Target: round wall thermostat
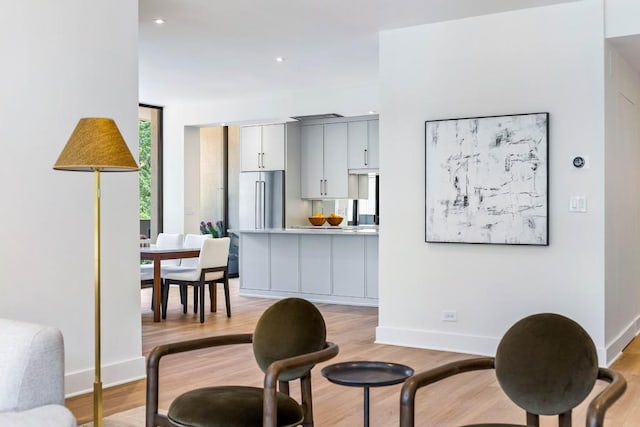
[578,161]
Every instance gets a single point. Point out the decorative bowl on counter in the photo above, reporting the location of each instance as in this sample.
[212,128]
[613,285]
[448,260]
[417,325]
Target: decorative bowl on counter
[317,220]
[334,220]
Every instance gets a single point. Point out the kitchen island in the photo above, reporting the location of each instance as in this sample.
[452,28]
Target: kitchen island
[337,265]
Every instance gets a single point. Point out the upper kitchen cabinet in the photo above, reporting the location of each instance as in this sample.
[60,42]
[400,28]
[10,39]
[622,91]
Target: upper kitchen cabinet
[262,148]
[363,145]
[323,160]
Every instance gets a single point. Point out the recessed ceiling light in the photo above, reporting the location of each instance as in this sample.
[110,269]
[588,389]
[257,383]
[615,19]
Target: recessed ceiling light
[372,112]
[279,59]
[159,21]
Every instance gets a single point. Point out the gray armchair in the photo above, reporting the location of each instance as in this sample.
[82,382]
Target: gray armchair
[32,376]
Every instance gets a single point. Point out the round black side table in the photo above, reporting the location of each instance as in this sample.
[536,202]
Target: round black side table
[366,374]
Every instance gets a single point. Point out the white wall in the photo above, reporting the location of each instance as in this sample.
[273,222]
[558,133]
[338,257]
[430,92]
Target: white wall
[275,108]
[191,190]
[535,60]
[211,175]
[622,17]
[622,214]
[62,61]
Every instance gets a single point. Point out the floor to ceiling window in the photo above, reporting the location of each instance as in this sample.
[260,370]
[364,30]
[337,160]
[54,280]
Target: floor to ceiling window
[150,160]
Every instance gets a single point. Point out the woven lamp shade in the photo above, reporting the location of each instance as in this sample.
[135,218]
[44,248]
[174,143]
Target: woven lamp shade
[96,144]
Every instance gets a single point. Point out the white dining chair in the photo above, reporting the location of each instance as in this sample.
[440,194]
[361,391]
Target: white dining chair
[210,269]
[164,240]
[193,241]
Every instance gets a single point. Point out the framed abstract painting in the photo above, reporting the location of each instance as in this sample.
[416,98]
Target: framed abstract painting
[486,180]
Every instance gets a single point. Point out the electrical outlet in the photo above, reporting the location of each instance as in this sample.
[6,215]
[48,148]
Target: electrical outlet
[449,316]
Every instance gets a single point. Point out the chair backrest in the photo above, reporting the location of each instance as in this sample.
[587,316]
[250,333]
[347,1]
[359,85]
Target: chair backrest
[547,364]
[31,365]
[214,253]
[290,327]
[166,240]
[193,241]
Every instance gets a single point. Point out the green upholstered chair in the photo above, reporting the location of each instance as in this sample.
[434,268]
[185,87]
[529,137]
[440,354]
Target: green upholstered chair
[289,339]
[545,363]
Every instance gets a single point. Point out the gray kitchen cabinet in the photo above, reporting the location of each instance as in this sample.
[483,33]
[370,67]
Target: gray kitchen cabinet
[348,266]
[254,273]
[329,265]
[324,161]
[371,262]
[363,142]
[262,148]
[284,266]
[315,264]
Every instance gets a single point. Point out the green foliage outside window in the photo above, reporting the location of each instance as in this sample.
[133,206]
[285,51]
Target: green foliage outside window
[144,138]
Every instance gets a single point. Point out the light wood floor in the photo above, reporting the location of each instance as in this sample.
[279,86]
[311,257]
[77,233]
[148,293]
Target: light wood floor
[467,398]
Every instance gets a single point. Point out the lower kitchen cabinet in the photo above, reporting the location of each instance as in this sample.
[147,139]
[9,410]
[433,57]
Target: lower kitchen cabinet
[285,274]
[254,261]
[315,264]
[371,266]
[338,268]
[348,262]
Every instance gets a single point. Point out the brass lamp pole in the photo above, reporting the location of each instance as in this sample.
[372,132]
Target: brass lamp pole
[96,145]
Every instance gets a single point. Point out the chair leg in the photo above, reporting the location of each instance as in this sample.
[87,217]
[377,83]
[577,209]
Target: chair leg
[533,420]
[227,300]
[213,296]
[307,404]
[183,298]
[564,420]
[165,298]
[283,387]
[201,290]
[196,289]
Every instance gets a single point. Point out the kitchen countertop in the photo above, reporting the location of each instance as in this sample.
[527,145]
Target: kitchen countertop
[370,230]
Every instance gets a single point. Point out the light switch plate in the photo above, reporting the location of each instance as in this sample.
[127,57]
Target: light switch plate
[578,204]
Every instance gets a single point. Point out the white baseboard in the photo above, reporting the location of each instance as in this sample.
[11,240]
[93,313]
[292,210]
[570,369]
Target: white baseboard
[486,346]
[614,348]
[327,299]
[457,343]
[81,382]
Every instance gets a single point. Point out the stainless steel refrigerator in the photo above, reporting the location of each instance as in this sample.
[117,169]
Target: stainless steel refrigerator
[261,200]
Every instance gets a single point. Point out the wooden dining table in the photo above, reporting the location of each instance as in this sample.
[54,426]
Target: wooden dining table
[157,255]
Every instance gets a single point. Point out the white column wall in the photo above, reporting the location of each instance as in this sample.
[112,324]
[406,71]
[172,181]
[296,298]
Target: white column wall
[65,60]
[191,180]
[622,214]
[534,60]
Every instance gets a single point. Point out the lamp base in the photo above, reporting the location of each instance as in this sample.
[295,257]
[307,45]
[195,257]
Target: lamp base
[97,404]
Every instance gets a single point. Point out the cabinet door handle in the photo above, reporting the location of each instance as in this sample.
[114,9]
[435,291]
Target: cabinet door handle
[366,157]
[259,161]
[262,160]
[326,187]
[321,193]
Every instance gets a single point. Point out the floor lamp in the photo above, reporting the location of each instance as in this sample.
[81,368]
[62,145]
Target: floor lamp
[96,145]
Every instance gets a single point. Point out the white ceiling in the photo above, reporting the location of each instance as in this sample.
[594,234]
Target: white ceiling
[213,49]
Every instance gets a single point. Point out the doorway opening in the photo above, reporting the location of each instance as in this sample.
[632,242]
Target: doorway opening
[150,160]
